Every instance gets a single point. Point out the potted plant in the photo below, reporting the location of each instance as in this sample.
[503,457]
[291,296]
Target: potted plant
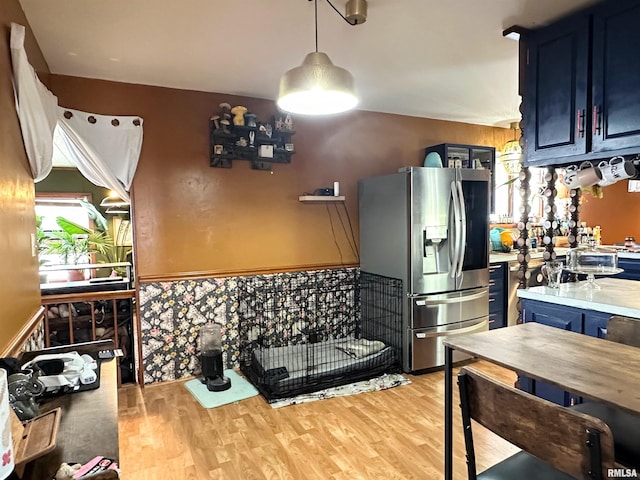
[113,251]
[74,243]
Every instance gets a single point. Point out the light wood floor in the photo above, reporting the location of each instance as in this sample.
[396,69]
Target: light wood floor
[395,434]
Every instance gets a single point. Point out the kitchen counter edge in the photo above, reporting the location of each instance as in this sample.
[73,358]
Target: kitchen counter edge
[617,296]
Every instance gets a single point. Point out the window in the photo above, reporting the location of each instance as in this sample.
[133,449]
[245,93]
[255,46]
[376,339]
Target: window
[509,202]
[48,207]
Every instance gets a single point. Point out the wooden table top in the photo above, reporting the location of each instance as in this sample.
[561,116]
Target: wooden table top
[89,420]
[591,367]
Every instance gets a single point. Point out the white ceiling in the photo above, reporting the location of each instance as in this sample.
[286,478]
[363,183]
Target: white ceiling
[443,59]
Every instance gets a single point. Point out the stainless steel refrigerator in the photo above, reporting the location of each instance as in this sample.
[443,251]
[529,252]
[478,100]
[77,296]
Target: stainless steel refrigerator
[429,227]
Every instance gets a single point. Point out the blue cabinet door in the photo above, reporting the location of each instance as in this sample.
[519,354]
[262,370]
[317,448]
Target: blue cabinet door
[616,76]
[595,324]
[631,269]
[497,295]
[557,316]
[556,111]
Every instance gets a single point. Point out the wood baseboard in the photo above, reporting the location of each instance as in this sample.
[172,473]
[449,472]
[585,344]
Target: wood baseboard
[175,277]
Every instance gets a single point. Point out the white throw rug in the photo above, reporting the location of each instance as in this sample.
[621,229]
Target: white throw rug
[383,382]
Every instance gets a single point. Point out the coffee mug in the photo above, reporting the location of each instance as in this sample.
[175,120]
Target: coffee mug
[588,175]
[570,177]
[615,169]
[581,177]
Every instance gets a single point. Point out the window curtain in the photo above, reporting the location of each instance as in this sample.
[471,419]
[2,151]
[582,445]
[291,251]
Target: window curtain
[106,149]
[37,108]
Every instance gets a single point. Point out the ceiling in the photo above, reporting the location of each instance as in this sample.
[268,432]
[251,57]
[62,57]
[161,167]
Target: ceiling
[443,59]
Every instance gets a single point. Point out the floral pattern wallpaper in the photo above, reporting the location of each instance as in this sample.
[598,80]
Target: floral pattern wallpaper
[35,340]
[172,314]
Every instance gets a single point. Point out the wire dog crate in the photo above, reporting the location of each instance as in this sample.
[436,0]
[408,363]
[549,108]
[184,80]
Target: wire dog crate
[303,334]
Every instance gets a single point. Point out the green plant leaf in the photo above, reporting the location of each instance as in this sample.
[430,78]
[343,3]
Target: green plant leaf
[508,182]
[96,216]
[72,228]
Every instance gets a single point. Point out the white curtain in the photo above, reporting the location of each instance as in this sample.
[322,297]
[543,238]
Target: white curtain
[36,106]
[106,149]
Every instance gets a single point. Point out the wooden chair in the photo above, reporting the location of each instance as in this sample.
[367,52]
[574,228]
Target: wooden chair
[557,443]
[624,426]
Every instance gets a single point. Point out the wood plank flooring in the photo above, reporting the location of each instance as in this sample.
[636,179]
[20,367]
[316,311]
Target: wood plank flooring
[393,434]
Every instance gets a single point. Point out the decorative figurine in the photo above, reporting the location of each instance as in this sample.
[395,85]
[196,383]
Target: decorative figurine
[252,137]
[225,126]
[268,130]
[250,119]
[279,124]
[238,111]
[225,108]
[216,122]
[242,142]
[288,122]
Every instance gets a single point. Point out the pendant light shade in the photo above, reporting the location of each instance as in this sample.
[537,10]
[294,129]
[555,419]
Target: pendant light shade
[113,200]
[317,87]
[511,155]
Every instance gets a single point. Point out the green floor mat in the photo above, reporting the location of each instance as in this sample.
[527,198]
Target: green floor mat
[240,389]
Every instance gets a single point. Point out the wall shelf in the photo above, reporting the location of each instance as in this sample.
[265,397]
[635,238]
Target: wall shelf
[227,146]
[320,198]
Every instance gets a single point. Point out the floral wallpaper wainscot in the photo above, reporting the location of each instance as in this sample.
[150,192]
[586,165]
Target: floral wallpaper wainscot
[172,314]
[36,339]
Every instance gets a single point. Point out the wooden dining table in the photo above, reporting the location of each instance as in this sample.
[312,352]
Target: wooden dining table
[593,368]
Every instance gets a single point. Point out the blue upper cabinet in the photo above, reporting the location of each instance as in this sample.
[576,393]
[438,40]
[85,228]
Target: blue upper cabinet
[581,99]
[616,76]
[555,94]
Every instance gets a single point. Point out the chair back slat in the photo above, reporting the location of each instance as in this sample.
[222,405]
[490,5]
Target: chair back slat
[554,434]
[624,330]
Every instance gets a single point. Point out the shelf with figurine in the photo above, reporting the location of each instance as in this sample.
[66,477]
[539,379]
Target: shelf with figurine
[236,134]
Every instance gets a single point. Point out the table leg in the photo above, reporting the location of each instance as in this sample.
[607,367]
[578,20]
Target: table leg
[448,413]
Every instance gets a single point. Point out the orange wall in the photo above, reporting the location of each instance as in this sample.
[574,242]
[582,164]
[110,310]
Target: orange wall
[189,217]
[19,285]
[617,212]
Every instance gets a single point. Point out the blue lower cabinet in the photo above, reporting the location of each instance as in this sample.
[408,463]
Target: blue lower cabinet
[595,324]
[497,295]
[558,316]
[631,269]
[497,320]
[548,392]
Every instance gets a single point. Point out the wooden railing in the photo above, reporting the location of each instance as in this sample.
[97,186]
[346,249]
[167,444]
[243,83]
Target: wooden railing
[61,313]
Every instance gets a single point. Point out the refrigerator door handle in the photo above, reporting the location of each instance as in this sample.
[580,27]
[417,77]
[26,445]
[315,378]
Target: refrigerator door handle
[456,233]
[466,298]
[479,324]
[463,229]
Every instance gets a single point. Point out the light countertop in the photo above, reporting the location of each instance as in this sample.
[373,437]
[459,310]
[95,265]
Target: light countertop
[617,296]
[496,257]
[512,256]
[629,255]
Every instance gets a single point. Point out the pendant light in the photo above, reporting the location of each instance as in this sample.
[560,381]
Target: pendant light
[511,154]
[113,200]
[317,87]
